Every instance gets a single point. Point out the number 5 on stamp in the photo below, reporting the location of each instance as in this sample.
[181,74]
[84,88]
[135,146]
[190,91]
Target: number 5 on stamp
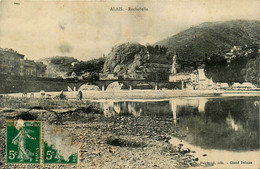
[53,156]
[58,146]
[23,141]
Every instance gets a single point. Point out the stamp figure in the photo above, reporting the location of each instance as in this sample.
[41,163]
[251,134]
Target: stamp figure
[23,141]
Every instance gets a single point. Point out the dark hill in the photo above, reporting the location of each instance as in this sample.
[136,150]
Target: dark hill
[130,57]
[122,55]
[212,38]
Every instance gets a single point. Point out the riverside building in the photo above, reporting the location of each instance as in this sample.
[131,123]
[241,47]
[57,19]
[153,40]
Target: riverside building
[12,63]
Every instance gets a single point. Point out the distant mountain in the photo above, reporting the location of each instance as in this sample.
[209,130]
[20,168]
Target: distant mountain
[212,38]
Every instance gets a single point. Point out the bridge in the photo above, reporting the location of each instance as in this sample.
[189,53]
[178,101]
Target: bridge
[127,84]
[35,84]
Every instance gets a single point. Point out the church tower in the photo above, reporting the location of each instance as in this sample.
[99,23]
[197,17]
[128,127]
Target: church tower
[174,64]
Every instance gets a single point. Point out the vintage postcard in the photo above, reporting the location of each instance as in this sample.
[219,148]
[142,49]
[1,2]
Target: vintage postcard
[130,84]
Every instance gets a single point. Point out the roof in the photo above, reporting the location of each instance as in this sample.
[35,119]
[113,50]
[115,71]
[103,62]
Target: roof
[247,84]
[11,51]
[29,63]
[224,85]
[236,85]
[244,85]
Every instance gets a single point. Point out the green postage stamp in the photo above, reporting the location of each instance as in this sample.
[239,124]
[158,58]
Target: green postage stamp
[23,142]
[52,155]
[59,147]
[35,142]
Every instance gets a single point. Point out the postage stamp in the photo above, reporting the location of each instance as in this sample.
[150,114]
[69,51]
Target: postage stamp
[59,147]
[23,141]
[52,155]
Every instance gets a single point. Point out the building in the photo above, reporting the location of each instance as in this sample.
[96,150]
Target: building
[11,62]
[233,53]
[157,67]
[203,81]
[30,68]
[158,71]
[195,80]
[40,68]
[137,75]
[155,71]
[175,76]
[222,85]
[180,77]
[229,57]
[175,66]
[244,86]
[108,76]
[236,48]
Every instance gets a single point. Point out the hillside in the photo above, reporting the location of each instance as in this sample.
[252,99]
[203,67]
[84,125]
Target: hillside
[130,57]
[212,38]
[121,55]
[208,42]
[193,44]
[63,66]
[58,66]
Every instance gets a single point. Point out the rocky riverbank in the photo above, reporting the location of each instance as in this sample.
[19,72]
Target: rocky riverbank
[104,142]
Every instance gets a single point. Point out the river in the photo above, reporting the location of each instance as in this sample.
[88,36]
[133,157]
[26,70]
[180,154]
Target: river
[221,130]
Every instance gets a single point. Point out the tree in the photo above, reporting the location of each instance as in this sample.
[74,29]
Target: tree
[94,65]
[234,69]
[156,48]
[241,68]
[41,68]
[251,71]
[216,68]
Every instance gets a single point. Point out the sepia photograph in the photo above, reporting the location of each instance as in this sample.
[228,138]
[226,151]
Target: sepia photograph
[88,84]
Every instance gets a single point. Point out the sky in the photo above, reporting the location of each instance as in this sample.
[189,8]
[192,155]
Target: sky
[88,29]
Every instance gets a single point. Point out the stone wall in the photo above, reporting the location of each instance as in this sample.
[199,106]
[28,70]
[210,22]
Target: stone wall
[32,85]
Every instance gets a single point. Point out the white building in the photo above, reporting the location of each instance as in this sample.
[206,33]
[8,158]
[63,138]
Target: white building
[108,76]
[179,77]
[203,81]
[222,85]
[244,86]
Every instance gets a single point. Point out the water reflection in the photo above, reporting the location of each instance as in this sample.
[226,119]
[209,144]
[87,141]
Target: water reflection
[220,123]
[121,108]
[195,104]
[231,122]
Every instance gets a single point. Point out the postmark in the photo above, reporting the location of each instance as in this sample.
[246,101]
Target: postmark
[52,155]
[58,146]
[23,142]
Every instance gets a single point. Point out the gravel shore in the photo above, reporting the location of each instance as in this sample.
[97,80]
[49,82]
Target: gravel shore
[104,142]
